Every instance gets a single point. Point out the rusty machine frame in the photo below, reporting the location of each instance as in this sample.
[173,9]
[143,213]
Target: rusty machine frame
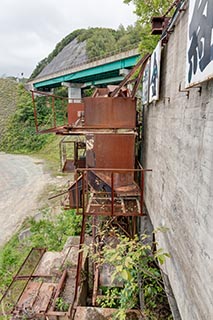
[109,179]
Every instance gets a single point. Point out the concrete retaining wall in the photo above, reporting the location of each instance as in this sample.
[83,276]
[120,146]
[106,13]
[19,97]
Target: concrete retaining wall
[179,191]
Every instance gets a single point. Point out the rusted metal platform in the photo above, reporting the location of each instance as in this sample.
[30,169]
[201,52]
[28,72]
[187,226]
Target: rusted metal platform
[89,114]
[108,192]
[101,205]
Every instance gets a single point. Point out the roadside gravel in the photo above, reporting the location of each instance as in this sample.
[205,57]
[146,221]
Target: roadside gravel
[22,180]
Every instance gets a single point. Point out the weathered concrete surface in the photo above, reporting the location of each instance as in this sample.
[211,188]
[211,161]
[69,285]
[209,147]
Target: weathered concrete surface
[21,181]
[93,313]
[179,191]
[51,262]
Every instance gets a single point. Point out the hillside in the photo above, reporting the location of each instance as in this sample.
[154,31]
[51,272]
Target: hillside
[72,54]
[17,120]
[84,44]
[8,100]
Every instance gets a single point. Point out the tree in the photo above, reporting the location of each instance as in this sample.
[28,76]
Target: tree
[145,10]
[98,41]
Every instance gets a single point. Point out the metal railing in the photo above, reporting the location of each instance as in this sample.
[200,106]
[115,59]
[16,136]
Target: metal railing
[93,59]
[20,281]
[50,111]
[110,192]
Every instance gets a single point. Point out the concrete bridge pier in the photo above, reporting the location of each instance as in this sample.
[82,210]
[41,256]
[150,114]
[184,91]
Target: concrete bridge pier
[74,91]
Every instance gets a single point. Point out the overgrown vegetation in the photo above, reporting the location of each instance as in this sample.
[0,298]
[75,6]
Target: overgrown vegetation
[19,132]
[8,98]
[145,10]
[50,154]
[136,278]
[52,232]
[49,232]
[19,135]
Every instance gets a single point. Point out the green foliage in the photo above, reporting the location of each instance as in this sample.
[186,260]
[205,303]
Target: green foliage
[99,41]
[132,261]
[61,305]
[148,41]
[145,10]
[111,299]
[50,232]
[88,92]
[8,97]
[20,135]
[61,91]
[104,42]
[11,257]
[50,153]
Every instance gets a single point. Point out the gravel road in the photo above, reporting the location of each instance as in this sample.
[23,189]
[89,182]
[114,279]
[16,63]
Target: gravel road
[21,181]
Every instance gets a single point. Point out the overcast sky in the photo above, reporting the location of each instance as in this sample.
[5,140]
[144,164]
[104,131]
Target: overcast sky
[30,29]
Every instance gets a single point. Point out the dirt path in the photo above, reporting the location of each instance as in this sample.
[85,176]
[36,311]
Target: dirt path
[21,181]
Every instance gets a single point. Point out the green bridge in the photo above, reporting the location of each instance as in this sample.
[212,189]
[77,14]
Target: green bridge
[109,70]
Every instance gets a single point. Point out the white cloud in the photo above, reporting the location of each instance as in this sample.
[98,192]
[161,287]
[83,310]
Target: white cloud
[31,29]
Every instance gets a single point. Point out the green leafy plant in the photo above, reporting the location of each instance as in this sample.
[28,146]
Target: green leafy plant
[145,10]
[110,299]
[52,232]
[61,305]
[132,261]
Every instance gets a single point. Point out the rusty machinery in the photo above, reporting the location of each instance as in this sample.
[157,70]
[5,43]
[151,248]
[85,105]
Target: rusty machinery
[109,179]
[102,131]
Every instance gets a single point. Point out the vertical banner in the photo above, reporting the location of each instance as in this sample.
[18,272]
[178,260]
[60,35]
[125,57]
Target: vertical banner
[154,84]
[199,56]
[145,83]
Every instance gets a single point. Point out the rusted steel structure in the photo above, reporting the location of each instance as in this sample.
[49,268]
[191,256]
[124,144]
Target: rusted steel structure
[72,154]
[104,133]
[109,178]
[11,301]
[35,289]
